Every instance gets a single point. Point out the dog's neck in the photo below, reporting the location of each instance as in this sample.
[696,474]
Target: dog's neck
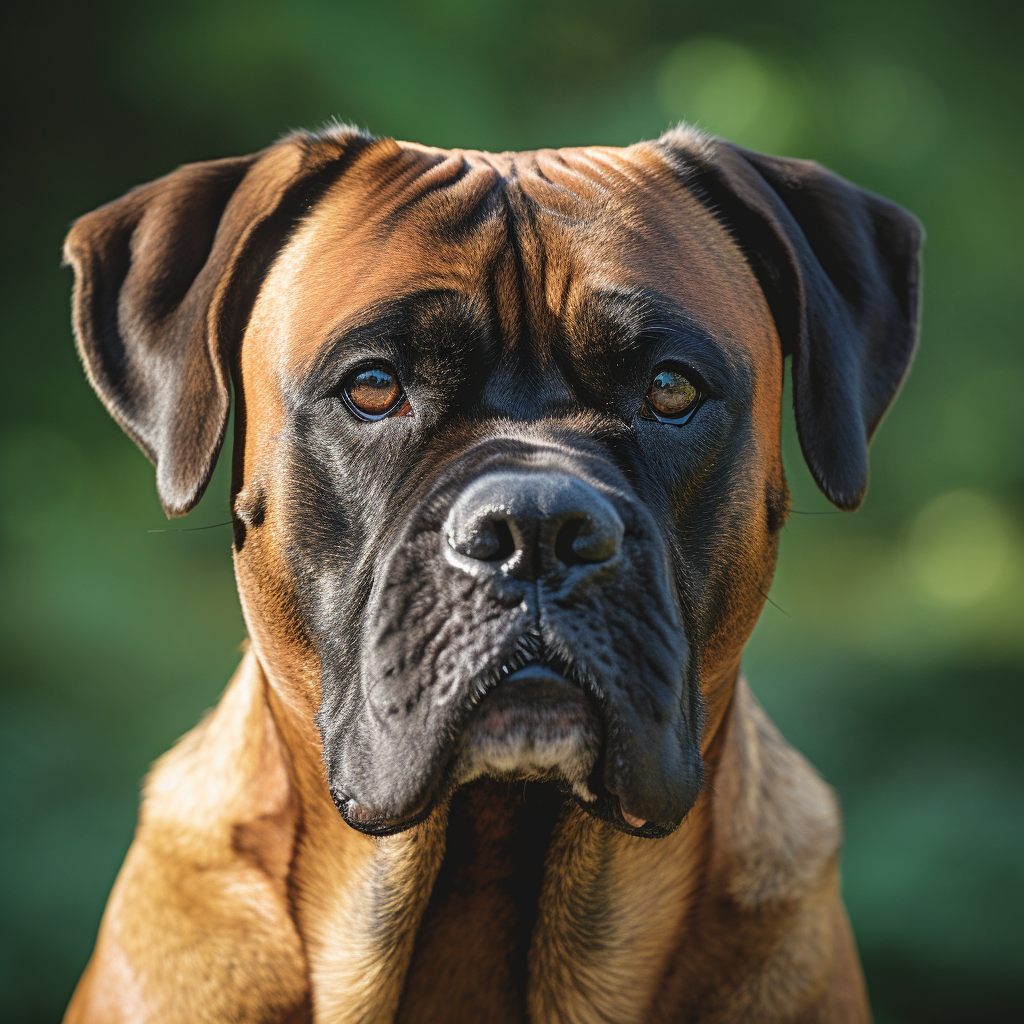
[510,903]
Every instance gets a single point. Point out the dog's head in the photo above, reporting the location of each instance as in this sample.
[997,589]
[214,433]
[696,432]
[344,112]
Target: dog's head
[507,483]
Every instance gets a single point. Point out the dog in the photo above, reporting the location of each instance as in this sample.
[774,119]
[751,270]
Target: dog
[506,494]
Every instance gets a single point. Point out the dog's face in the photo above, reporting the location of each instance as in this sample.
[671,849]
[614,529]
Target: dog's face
[496,418]
[507,473]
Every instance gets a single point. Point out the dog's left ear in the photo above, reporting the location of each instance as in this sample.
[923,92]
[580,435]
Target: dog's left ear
[839,267]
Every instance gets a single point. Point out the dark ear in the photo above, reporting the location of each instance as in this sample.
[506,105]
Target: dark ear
[164,279]
[839,268]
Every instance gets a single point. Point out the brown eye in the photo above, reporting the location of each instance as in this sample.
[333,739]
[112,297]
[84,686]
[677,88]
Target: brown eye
[375,393]
[673,397]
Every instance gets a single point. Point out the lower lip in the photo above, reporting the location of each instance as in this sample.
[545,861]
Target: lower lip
[533,709]
[534,705]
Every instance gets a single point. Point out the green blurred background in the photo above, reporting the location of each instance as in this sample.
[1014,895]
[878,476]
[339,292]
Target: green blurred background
[895,657]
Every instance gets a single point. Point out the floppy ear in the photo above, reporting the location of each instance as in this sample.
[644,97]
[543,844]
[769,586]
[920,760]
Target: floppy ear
[839,267]
[164,280]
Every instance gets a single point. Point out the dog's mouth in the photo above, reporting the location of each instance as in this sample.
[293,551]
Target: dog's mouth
[537,718]
[543,724]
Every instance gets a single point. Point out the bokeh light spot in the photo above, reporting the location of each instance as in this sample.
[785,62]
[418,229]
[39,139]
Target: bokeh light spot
[960,548]
[727,89]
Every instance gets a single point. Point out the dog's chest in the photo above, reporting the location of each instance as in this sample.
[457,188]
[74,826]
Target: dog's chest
[470,959]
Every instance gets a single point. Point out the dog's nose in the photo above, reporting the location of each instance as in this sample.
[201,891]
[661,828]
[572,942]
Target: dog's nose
[533,524]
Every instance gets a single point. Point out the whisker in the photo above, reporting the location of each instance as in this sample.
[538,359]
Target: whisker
[775,603]
[190,529]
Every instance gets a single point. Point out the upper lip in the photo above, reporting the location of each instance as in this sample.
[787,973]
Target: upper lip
[531,650]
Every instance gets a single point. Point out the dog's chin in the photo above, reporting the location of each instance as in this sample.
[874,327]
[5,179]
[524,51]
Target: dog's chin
[536,726]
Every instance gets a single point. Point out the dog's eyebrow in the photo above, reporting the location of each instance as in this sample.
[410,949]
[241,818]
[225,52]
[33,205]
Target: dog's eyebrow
[421,320]
[636,318]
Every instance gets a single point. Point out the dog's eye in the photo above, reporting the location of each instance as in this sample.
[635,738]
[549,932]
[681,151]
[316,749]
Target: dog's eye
[375,393]
[673,398]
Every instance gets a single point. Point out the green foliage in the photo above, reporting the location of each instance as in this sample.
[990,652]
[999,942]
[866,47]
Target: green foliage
[897,665]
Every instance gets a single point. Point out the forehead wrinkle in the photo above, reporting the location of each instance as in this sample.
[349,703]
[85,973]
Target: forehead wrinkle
[570,181]
[529,259]
[345,255]
[448,200]
[389,170]
[654,234]
[430,193]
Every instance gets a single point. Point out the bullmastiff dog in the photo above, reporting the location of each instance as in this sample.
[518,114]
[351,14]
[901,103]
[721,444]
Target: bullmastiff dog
[506,494]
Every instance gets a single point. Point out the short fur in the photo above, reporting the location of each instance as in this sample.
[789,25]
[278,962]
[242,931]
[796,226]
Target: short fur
[329,844]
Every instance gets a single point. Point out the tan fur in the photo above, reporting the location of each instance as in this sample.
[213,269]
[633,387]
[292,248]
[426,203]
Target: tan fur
[203,893]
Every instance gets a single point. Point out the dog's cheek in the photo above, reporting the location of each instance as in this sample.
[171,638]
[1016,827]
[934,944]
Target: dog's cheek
[275,622]
[729,552]
[289,572]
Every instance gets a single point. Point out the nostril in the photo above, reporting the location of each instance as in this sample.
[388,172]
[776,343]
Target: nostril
[565,540]
[490,540]
[505,545]
[587,539]
[481,544]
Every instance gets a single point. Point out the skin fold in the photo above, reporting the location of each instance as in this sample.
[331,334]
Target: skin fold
[452,781]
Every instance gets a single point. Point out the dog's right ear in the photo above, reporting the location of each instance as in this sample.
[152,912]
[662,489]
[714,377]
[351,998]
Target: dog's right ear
[164,280]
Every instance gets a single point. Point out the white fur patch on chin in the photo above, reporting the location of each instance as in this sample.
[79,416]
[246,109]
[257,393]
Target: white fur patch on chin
[518,755]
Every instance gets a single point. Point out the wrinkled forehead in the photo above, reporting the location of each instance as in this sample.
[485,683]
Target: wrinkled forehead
[530,238]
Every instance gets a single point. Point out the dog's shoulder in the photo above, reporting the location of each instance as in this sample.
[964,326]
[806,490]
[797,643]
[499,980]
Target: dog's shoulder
[775,875]
[223,792]
[782,830]
[198,926]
